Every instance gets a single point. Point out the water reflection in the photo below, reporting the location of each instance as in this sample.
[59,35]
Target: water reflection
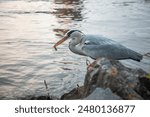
[69,2]
[67,11]
[70,13]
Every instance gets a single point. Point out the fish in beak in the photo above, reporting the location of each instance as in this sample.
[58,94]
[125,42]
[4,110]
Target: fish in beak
[60,42]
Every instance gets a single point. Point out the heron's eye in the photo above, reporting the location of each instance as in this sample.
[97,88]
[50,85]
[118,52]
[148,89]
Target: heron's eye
[86,42]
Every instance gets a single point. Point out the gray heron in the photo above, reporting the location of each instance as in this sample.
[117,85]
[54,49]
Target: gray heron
[96,46]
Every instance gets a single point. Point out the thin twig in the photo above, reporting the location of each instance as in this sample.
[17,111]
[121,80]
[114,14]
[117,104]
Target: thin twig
[48,96]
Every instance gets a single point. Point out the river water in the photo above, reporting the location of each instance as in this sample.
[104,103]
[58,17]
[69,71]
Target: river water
[29,29]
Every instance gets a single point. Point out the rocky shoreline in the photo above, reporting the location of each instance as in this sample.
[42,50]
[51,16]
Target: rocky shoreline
[110,80]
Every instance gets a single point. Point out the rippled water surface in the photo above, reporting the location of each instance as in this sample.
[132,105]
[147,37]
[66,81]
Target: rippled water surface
[29,29]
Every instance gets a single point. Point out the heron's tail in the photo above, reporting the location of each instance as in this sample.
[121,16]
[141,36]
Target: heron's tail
[136,56]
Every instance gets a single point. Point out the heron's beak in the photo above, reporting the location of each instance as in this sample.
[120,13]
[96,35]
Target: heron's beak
[60,42]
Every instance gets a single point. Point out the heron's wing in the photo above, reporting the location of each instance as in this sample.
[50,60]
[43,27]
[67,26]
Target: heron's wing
[112,51]
[97,40]
[108,50]
[97,46]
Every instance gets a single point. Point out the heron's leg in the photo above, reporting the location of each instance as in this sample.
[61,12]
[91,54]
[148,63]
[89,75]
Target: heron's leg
[88,62]
[91,65]
[113,71]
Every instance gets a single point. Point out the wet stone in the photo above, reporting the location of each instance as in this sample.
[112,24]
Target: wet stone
[112,83]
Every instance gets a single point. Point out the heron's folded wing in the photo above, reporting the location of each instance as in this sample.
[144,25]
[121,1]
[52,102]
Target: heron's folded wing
[113,51]
[97,40]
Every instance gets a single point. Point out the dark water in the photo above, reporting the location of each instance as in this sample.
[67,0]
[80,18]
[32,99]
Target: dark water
[29,29]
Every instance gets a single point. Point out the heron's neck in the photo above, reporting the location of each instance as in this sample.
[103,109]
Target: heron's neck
[76,49]
[72,47]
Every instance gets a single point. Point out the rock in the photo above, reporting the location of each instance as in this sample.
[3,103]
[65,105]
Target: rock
[102,94]
[76,93]
[110,79]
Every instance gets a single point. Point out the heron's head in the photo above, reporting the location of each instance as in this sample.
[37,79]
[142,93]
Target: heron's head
[74,35]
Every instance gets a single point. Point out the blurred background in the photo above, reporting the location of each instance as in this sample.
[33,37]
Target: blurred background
[30,28]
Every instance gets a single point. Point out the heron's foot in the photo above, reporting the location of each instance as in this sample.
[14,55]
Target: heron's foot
[114,71]
[90,66]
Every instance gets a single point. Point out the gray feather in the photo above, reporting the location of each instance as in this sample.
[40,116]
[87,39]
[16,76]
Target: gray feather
[102,47]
